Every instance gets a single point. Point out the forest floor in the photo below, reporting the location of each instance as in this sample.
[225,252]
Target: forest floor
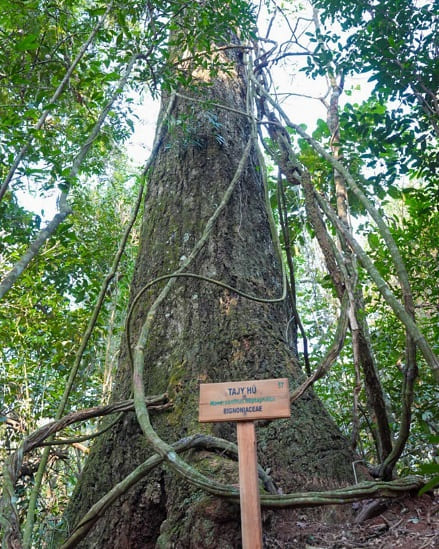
[405,523]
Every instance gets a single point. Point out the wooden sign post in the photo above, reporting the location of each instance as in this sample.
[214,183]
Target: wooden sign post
[244,402]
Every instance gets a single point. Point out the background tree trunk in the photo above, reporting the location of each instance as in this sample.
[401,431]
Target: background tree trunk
[207,334]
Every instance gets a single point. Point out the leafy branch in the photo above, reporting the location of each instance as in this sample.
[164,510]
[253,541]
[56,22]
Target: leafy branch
[52,101]
[64,209]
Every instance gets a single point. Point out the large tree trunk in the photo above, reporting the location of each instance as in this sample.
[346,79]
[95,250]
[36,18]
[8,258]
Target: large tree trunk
[204,333]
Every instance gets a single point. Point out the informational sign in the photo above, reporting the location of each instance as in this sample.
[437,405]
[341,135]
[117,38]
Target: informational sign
[244,400]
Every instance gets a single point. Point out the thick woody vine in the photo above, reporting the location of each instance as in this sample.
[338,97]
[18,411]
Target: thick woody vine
[340,266]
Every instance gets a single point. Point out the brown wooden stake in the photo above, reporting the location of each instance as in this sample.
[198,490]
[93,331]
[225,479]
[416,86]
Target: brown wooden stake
[251,524]
[243,402]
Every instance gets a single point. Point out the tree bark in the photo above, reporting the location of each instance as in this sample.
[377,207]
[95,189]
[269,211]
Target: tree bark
[204,333]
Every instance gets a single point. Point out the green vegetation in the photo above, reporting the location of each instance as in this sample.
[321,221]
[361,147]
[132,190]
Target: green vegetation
[69,73]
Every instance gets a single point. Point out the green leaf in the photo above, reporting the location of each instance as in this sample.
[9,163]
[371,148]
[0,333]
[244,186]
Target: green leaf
[373,240]
[431,484]
[29,42]
[97,11]
[429,468]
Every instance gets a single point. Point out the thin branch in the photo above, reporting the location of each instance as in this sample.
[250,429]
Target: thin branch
[38,437]
[410,375]
[330,356]
[384,289]
[65,210]
[42,237]
[283,218]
